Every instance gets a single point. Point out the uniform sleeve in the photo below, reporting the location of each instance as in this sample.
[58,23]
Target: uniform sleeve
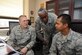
[54,16]
[33,40]
[38,30]
[11,39]
[78,47]
[53,50]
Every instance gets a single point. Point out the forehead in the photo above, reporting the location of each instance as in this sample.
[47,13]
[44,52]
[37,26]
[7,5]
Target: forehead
[42,14]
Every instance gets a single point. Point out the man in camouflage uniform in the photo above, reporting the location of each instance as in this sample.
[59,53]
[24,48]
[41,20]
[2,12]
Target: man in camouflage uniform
[22,37]
[44,26]
[66,42]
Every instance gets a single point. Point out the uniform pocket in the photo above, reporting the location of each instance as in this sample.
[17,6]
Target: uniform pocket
[18,36]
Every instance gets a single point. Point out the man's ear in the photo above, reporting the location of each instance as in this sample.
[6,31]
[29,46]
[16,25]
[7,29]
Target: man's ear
[66,25]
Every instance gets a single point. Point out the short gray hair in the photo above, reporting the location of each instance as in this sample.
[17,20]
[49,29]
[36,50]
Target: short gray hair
[42,11]
[22,16]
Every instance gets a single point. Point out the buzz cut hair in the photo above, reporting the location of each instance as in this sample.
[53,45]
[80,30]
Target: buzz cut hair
[22,16]
[66,18]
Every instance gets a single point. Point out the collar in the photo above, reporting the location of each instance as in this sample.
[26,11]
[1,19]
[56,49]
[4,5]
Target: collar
[20,30]
[69,36]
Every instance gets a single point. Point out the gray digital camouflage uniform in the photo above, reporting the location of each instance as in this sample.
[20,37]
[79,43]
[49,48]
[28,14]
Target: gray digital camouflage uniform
[22,38]
[72,45]
[48,30]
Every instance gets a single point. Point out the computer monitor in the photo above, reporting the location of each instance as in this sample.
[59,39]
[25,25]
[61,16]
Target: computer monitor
[12,24]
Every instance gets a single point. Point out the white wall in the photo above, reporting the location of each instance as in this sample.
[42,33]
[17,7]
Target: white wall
[32,7]
[26,7]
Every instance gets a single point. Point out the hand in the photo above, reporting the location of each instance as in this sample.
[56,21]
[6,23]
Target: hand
[24,50]
[45,42]
[8,49]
